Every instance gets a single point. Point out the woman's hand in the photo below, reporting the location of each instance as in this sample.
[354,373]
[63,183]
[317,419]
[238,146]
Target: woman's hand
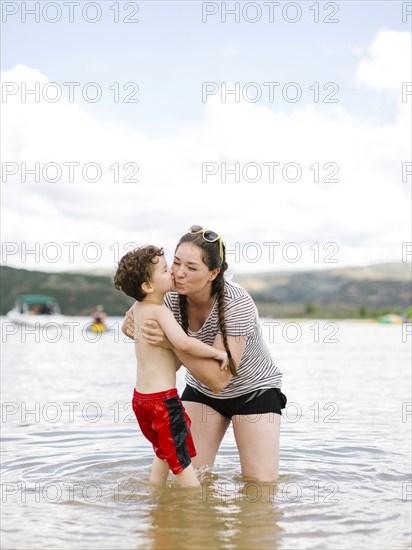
[128,327]
[154,335]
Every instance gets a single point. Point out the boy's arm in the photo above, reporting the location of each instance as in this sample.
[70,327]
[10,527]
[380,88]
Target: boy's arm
[207,371]
[181,342]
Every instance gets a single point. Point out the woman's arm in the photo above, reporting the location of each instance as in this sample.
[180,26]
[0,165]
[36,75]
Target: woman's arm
[178,362]
[207,371]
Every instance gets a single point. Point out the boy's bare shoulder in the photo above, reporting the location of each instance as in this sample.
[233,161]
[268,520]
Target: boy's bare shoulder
[160,310]
[153,310]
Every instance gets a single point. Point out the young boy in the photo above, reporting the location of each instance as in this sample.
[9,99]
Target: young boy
[144,275]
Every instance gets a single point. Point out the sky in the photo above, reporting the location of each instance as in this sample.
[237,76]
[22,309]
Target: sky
[282,126]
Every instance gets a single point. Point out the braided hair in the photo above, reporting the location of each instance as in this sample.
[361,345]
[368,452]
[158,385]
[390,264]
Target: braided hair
[211,257]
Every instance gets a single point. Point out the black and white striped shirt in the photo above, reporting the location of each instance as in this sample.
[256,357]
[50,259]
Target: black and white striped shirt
[256,370]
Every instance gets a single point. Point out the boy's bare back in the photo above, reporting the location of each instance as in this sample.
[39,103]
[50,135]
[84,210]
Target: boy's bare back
[156,369]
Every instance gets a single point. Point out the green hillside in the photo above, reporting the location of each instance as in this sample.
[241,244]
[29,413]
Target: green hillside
[342,292]
[77,294]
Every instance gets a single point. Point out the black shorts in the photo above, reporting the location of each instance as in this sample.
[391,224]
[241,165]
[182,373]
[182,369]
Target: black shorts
[256,402]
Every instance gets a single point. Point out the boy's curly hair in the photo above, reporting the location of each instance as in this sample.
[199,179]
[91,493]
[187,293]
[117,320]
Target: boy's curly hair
[136,268]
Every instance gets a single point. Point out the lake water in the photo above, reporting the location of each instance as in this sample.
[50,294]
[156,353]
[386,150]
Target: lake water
[75,467]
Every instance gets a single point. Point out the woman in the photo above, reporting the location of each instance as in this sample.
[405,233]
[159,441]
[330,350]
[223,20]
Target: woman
[223,314]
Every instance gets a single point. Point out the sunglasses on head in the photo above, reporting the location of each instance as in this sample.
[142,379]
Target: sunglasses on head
[209,236]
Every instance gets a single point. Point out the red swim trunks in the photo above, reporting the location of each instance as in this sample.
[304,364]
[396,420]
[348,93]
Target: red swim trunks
[164,422]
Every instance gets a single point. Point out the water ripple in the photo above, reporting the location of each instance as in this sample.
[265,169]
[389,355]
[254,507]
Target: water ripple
[343,484]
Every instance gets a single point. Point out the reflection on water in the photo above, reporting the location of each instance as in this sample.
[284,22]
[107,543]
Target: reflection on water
[74,461]
[217,517]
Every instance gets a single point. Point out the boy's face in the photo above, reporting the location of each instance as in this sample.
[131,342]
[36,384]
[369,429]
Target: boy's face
[162,278]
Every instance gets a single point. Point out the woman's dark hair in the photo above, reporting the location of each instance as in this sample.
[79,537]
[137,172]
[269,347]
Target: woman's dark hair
[136,268]
[211,257]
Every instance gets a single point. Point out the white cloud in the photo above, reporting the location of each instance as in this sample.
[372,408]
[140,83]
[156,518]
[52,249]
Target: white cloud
[389,61]
[230,52]
[366,213]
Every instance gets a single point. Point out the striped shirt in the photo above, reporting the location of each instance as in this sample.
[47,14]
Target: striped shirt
[256,370]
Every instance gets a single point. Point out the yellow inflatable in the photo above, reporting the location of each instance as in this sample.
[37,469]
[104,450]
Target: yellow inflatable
[98,327]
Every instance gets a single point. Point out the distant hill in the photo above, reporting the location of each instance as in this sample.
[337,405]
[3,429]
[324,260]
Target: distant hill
[339,292]
[354,291]
[76,293]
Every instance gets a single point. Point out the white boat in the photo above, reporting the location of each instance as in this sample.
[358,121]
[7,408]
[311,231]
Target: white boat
[36,310]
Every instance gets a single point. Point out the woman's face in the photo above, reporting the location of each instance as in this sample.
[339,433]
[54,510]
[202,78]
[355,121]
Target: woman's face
[190,272]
